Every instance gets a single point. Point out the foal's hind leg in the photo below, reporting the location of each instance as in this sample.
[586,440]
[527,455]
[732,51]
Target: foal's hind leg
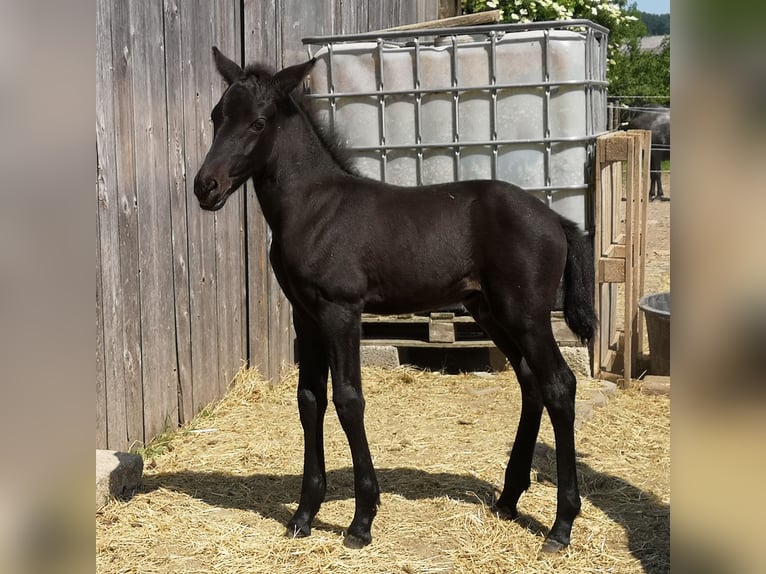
[312,405]
[557,387]
[532,333]
[520,463]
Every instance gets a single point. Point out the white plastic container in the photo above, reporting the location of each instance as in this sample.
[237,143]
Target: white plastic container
[518,103]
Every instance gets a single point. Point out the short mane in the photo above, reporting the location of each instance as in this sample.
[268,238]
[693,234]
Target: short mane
[330,139]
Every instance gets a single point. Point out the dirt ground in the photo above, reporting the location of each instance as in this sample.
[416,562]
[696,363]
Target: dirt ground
[658,242]
[217,495]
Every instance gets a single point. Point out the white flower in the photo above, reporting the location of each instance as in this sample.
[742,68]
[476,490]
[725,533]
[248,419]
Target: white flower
[492,3]
[514,16]
[593,10]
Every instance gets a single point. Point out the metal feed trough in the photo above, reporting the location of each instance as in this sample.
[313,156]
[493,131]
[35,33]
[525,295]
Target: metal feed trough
[518,102]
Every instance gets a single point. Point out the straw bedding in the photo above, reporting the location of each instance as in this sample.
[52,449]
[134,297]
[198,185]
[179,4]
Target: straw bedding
[217,494]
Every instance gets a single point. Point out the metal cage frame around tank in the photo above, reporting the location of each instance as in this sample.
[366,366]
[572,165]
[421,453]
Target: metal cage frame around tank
[594,83]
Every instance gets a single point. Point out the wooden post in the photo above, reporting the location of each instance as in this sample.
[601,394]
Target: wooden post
[620,247]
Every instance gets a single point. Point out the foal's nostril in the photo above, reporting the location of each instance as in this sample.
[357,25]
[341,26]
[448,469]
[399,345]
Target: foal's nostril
[210,185]
[204,186]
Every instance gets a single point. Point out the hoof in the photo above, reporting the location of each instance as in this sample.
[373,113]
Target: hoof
[663,198]
[356,542]
[504,513]
[551,546]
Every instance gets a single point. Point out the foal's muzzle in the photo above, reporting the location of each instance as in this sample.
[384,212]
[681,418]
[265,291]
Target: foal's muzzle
[211,197]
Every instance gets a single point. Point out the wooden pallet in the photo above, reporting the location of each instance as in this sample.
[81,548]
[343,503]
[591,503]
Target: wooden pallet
[442,330]
[622,174]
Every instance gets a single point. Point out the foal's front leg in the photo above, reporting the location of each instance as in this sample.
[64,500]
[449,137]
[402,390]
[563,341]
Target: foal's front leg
[341,325]
[312,405]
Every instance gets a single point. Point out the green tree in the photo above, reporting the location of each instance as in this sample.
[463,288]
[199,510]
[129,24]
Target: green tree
[641,74]
[630,71]
[622,20]
[656,24]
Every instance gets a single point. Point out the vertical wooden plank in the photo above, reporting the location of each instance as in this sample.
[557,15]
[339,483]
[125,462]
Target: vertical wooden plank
[272,34]
[129,384]
[178,207]
[229,234]
[262,43]
[643,198]
[300,19]
[406,12]
[108,278]
[598,347]
[258,286]
[430,10]
[262,32]
[100,359]
[159,361]
[352,17]
[376,15]
[630,210]
[201,83]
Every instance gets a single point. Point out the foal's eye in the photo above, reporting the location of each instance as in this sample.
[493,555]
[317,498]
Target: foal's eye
[258,125]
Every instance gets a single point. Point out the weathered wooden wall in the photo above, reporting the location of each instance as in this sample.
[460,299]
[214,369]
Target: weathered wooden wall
[185,297]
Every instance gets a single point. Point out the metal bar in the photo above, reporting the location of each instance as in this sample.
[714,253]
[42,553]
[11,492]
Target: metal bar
[380,36]
[546,115]
[382,116]
[418,117]
[478,143]
[455,111]
[481,88]
[331,82]
[493,105]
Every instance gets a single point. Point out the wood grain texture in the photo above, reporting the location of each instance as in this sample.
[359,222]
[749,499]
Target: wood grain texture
[159,362]
[129,383]
[185,296]
[110,393]
[178,203]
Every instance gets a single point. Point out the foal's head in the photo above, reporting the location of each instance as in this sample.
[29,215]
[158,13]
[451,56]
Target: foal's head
[243,124]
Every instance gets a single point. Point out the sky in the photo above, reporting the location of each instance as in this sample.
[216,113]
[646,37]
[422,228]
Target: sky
[654,6]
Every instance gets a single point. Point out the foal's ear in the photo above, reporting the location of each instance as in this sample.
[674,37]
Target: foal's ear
[290,78]
[228,69]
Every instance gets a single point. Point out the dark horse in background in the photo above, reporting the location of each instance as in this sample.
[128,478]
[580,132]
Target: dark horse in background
[343,245]
[657,120]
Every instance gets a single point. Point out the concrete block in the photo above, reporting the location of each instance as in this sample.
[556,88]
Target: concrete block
[118,474]
[598,398]
[386,356]
[656,385]
[577,358]
[608,388]
[583,412]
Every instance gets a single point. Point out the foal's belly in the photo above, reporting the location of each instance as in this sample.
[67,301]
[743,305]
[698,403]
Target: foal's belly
[417,297]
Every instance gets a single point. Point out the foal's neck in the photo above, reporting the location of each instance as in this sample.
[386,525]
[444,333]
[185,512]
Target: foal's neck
[300,165]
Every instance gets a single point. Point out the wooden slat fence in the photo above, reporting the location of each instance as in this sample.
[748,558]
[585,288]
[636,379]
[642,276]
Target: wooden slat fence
[184,297]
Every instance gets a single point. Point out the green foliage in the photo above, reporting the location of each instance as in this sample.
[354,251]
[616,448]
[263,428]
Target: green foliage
[641,74]
[621,20]
[656,24]
[630,71]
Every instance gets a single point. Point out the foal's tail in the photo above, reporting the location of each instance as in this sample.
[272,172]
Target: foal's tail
[579,277]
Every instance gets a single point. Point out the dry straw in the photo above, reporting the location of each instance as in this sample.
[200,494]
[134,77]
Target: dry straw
[218,493]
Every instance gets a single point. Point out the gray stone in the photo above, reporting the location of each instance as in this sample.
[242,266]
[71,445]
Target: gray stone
[583,412]
[598,398]
[578,359]
[608,388]
[118,475]
[386,356]
[656,385]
